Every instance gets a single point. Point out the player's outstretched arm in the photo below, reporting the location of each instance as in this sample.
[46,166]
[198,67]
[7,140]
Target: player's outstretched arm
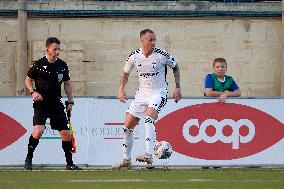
[177,92]
[121,91]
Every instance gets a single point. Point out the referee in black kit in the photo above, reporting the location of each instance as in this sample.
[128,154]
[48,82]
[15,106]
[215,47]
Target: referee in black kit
[48,73]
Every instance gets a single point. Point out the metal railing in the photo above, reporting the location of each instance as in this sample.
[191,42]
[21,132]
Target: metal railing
[139,8]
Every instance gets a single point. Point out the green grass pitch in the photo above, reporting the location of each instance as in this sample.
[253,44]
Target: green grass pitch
[224,178]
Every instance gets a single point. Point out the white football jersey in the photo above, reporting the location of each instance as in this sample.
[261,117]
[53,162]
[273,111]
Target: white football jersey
[151,70]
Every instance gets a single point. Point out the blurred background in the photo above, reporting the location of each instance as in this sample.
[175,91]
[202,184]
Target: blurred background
[97,37]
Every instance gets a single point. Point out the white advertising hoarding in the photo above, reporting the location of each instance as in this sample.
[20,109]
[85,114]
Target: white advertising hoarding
[241,132]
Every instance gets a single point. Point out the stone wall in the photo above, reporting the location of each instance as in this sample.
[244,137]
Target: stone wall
[96,49]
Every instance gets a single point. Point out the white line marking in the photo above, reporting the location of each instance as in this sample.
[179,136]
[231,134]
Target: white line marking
[113,180]
[160,180]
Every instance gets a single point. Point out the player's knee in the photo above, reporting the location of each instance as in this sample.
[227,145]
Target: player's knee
[65,135]
[130,121]
[37,134]
[129,125]
[38,131]
[152,112]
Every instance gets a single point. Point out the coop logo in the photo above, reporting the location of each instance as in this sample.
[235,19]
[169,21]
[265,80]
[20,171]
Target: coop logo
[215,131]
[235,138]
[10,130]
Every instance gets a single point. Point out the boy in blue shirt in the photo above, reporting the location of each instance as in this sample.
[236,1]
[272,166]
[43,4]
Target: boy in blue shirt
[217,84]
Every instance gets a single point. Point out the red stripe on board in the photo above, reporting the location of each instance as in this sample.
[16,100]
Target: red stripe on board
[114,123]
[116,138]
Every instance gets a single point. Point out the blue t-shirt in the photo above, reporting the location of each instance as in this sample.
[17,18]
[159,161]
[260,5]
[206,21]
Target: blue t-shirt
[209,83]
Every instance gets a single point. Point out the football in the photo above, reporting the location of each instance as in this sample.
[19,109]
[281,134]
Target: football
[163,150]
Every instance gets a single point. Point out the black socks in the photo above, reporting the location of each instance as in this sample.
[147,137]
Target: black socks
[67,147]
[32,146]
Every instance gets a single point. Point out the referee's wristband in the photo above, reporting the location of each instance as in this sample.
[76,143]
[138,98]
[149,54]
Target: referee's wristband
[70,102]
[32,91]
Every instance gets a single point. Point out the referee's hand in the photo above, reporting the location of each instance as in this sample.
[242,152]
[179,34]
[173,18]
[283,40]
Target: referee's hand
[69,108]
[36,96]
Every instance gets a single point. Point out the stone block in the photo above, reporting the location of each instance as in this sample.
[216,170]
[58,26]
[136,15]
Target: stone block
[8,89]
[7,72]
[8,29]
[8,51]
[77,70]
[78,88]
[77,29]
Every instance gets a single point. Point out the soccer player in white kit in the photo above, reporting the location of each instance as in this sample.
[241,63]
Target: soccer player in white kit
[151,64]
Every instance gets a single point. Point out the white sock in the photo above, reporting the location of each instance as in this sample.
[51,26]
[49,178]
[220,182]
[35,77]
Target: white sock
[150,134]
[127,143]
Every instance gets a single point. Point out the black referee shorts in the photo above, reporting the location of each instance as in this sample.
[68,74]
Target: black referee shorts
[53,110]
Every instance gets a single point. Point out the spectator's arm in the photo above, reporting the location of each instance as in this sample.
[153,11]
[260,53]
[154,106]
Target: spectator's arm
[209,92]
[235,93]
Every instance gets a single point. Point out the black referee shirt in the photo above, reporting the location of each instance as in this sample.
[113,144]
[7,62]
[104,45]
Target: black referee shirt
[48,77]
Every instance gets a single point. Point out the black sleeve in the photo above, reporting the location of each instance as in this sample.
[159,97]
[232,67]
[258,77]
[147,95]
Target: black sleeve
[32,71]
[66,76]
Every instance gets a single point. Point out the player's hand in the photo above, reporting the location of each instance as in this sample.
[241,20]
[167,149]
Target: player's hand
[177,94]
[36,96]
[122,96]
[223,97]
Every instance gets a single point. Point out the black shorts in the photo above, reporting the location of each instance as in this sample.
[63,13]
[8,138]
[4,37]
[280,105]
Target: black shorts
[53,110]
